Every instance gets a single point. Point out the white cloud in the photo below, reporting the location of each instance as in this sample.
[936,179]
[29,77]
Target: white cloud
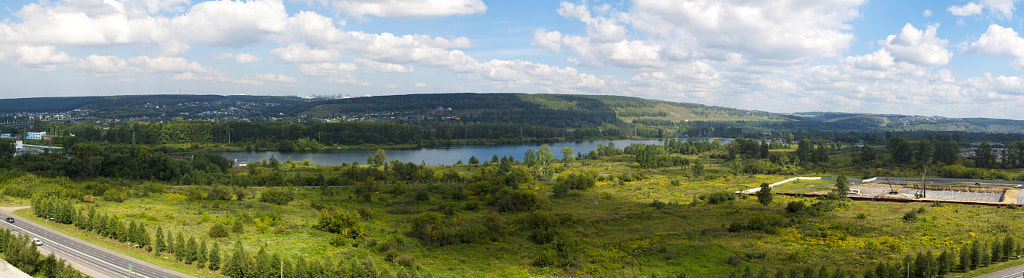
[302,53]
[966,10]
[409,8]
[44,58]
[1018,64]
[420,85]
[1001,8]
[84,23]
[927,13]
[278,78]
[764,31]
[230,23]
[382,67]
[921,48]
[998,41]
[240,57]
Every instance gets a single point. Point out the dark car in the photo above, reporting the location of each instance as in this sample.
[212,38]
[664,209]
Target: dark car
[10,220]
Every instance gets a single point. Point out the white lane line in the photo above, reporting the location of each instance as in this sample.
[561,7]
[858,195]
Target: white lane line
[82,253]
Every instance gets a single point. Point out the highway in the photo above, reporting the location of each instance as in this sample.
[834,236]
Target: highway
[95,260]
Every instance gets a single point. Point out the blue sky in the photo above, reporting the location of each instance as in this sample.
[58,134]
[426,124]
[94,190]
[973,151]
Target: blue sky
[943,58]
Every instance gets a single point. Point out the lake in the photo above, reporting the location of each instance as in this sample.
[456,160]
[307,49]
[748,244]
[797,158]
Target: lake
[439,155]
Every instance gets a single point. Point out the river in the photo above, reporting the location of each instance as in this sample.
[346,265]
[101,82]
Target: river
[434,156]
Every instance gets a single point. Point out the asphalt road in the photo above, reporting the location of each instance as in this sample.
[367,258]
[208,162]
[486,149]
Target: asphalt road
[100,261]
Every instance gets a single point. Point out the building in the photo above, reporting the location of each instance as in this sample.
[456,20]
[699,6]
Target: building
[5,135]
[35,135]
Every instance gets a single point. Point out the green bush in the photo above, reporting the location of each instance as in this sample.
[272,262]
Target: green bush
[218,230]
[344,222]
[276,195]
[508,200]
[718,197]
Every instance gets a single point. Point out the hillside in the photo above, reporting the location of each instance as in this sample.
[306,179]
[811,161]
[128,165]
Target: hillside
[645,116]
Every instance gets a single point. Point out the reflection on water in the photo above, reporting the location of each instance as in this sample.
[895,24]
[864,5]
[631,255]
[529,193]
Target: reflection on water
[439,155]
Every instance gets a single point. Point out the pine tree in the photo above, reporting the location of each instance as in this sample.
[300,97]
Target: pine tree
[159,241]
[965,259]
[179,247]
[133,232]
[215,257]
[144,238]
[190,251]
[1008,247]
[975,255]
[997,251]
[201,255]
[170,242]
[945,263]
[234,265]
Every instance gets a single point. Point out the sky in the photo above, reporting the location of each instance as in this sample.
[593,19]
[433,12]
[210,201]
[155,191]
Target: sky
[932,58]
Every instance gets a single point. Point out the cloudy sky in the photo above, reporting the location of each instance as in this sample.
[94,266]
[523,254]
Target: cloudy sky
[946,58]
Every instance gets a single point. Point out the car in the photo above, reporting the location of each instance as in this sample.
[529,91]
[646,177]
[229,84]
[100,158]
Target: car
[37,241]
[9,220]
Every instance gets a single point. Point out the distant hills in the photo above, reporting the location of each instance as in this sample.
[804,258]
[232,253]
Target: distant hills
[552,110]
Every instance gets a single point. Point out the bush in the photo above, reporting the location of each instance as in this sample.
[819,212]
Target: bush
[508,200]
[910,216]
[718,197]
[218,230]
[795,206]
[280,196]
[344,222]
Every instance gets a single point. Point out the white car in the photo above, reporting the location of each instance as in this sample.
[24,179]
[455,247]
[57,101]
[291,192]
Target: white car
[37,241]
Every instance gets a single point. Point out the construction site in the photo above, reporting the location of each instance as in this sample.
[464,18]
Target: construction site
[904,190]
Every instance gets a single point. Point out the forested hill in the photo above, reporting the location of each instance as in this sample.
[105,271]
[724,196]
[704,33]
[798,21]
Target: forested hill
[643,117]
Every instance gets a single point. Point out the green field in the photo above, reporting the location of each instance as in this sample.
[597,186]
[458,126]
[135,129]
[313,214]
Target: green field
[658,224]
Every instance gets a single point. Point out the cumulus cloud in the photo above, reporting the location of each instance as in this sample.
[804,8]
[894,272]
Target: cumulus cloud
[919,47]
[767,31]
[278,78]
[1001,8]
[409,8]
[998,41]
[966,10]
[382,67]
[230,23]
[240,57]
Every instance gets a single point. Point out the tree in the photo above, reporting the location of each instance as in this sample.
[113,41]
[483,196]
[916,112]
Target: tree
[201,255]
[170,242]
[697,170]
[215,256]
[901,150]
[965,259]
[764,196]
[159,241]
[234,267]
[983,156]
[842,186]
[473,160]
[179,248]
[924,152]
[379,157]
[805,151]
[568,155]
[191,251]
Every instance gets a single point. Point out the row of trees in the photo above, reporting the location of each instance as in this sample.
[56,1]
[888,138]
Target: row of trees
[21,252]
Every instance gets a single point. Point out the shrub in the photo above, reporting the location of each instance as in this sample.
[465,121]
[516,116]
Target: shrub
[218,230]
[718,197]
[344,222]
[910,216]
[795,206]
[508,200]
[280,196]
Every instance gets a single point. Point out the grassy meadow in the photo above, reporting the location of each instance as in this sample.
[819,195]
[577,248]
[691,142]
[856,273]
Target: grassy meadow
[652,222]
